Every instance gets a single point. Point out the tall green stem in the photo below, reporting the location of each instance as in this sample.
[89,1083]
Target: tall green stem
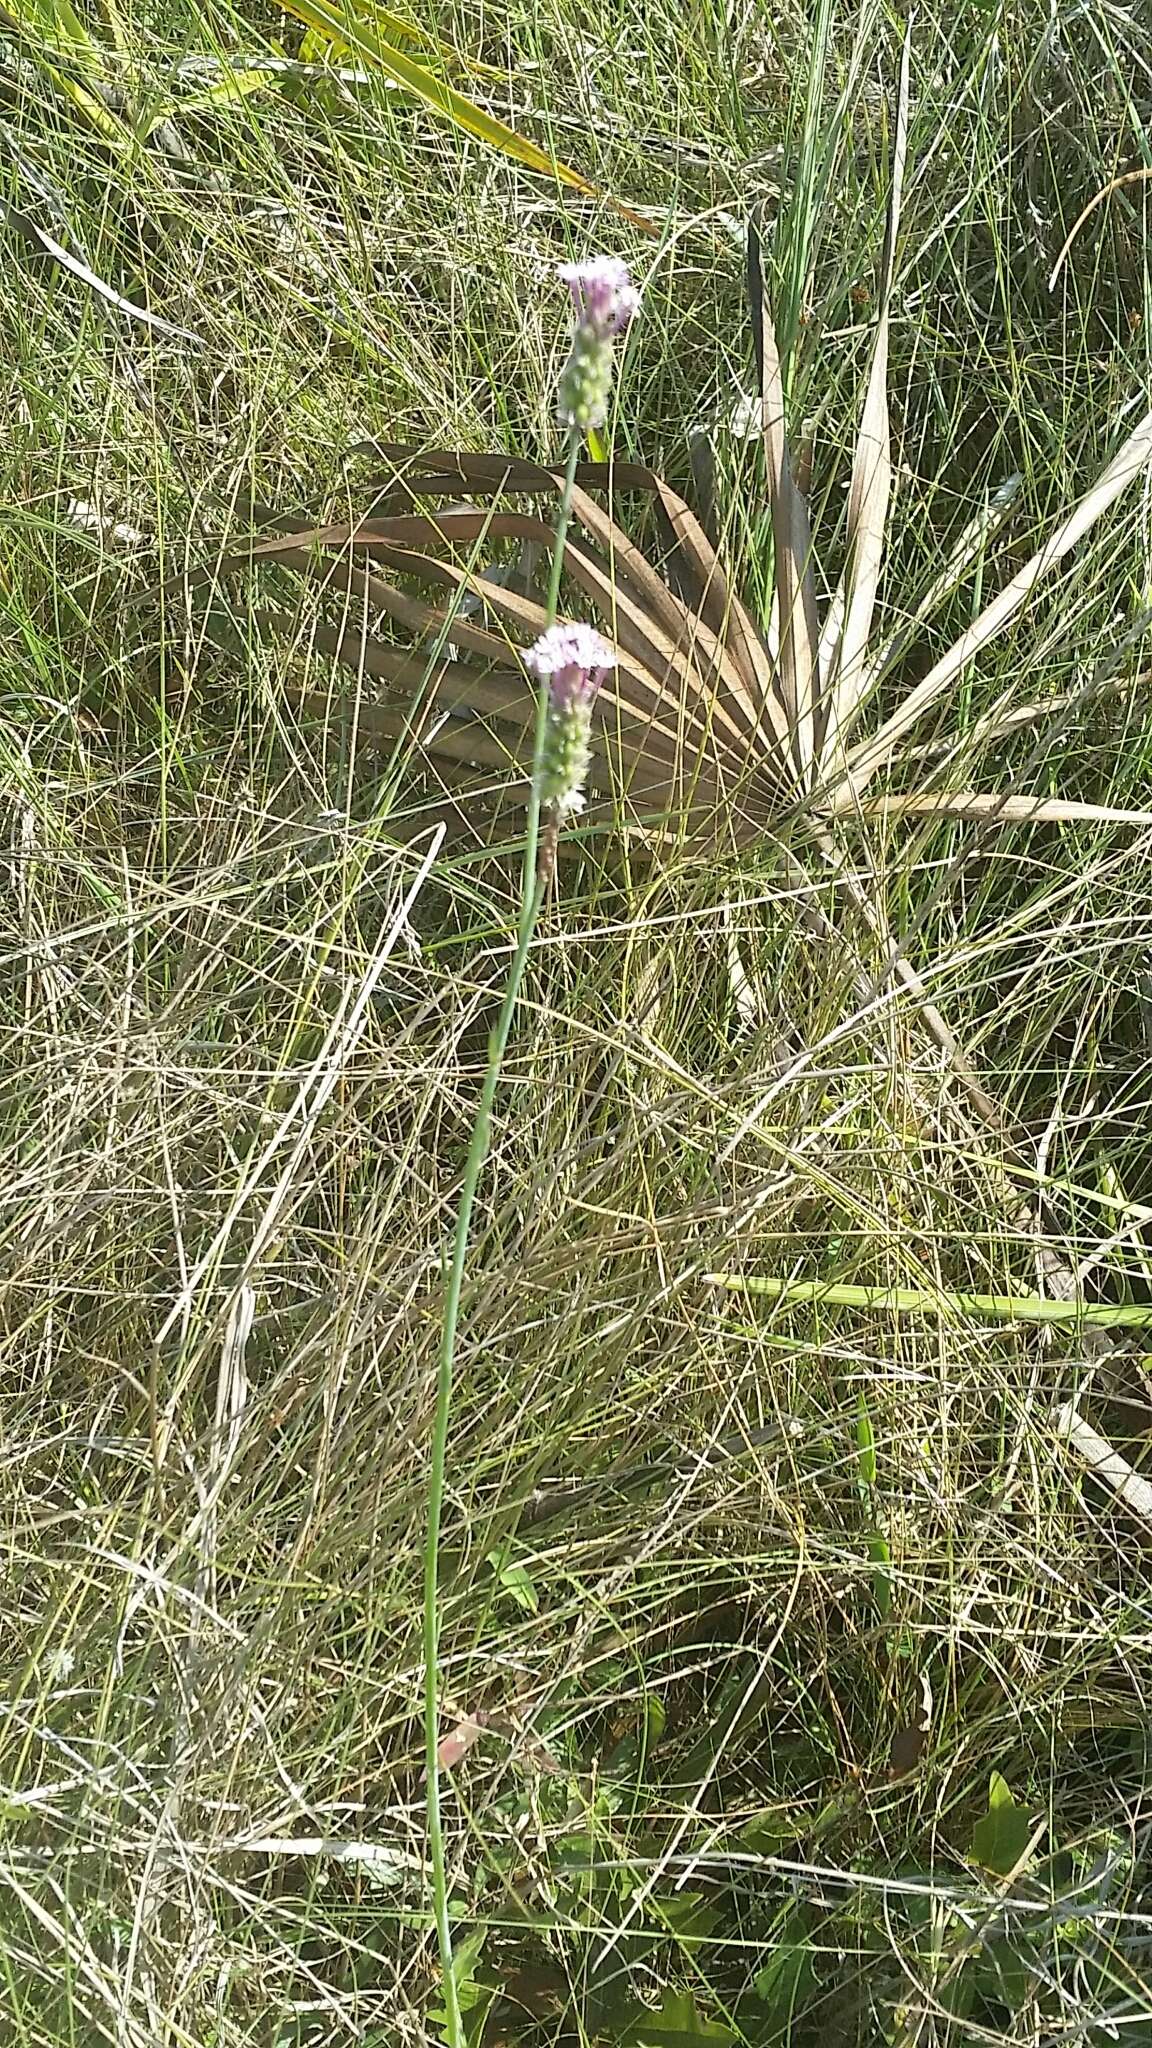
[531,894]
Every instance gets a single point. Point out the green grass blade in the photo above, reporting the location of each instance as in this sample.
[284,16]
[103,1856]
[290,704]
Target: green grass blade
[54,25]
[57,24]
[337,22]
[996,1308]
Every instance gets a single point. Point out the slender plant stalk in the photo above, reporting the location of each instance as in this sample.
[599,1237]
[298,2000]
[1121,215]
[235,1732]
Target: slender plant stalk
[530,891]
[996,1308]
[531,896]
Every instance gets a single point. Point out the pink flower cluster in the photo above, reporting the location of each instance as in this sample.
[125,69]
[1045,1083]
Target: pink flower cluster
[572,661]
[603,294]
[605,300]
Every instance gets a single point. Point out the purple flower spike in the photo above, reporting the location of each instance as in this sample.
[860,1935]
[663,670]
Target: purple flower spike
[605,300]
[573,662]
[603,294]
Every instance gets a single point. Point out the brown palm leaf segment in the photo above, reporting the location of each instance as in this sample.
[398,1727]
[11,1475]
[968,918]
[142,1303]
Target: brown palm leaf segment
[690,729]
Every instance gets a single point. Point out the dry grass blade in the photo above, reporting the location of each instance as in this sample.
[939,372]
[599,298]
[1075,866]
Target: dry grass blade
[1114,185]
[792,543]
[844,642]
[878,751]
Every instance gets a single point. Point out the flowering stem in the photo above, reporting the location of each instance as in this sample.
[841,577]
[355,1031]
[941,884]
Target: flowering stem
[529,892]
[531,896]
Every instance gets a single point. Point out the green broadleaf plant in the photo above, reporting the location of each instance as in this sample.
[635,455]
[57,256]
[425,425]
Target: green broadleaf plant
[1001,1836]
[346,28]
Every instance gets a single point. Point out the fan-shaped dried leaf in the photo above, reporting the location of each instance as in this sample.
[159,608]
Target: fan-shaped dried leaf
[697,727]
[677,725]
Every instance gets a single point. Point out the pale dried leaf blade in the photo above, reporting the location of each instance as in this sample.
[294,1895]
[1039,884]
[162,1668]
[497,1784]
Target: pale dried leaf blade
[94,281]
[848,626]
[875,753]
[792,549]
[706,679]
[844,646]
[409,725]
[992,809]
[1105,1462]
[745,999]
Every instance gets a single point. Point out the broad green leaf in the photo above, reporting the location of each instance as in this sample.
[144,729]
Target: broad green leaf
[786,1981]
[474,1998]
[865,1444]
[338,21]
[515,1580]
[474,2009]
[678,2022]
[517,1583]
[767,1833]
[1001,1835]
[691,1917]
[230,86]
[881,1559]
[1002,1971]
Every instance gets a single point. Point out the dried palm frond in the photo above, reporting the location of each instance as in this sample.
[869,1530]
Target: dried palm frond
[709,728]
[710,732]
